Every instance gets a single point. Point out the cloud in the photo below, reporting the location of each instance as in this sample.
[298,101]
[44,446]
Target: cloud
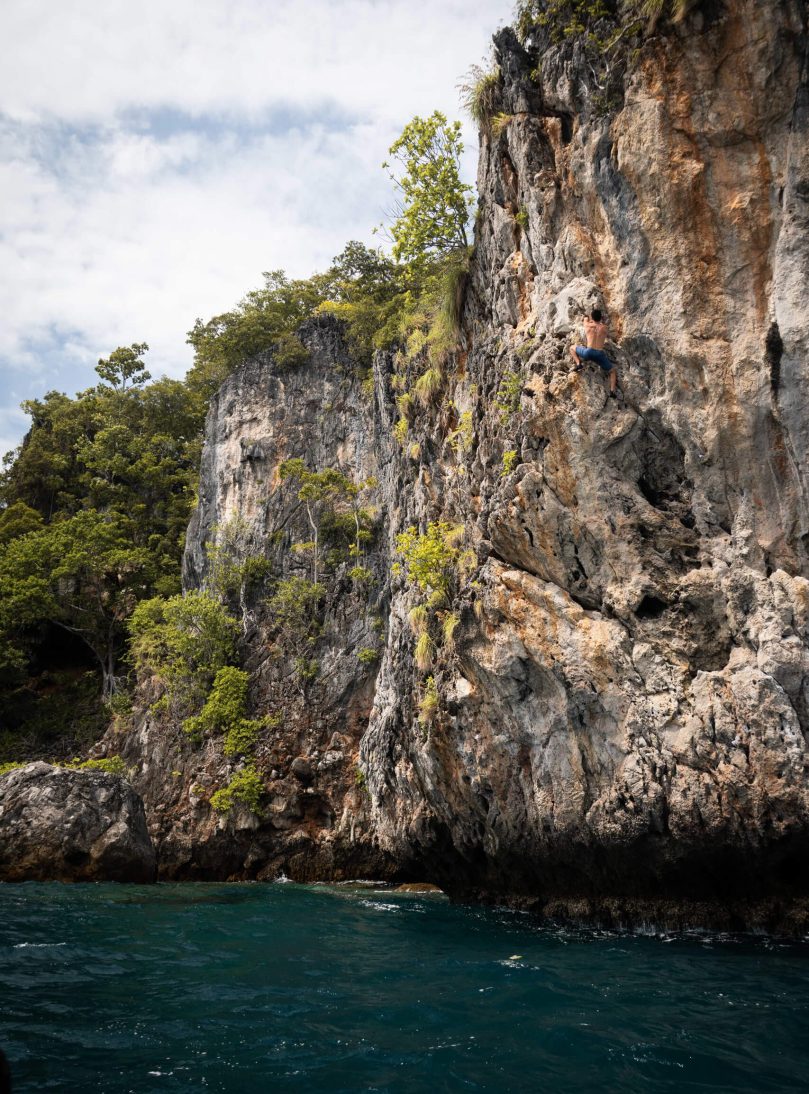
[155,159]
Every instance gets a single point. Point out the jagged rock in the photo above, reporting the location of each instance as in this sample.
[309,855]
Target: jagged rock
[62,825]
[622,720]
[302,770]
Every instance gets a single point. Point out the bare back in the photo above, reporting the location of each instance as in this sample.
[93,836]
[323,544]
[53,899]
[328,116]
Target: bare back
[596,333]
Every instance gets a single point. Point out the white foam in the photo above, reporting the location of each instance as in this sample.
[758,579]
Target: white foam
[37,945]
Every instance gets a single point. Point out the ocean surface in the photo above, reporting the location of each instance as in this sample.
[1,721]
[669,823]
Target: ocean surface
[320,988]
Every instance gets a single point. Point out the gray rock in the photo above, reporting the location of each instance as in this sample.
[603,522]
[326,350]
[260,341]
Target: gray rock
[302,770]
[63,825]
[623,714]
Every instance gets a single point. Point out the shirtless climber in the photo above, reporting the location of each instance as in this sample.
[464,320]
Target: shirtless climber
[595,331]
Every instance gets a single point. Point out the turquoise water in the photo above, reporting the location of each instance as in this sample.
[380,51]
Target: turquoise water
[307,988]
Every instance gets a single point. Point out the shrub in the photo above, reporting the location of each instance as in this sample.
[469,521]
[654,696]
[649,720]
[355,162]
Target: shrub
[400,430]
[522,218]
[424,651]
[183,641]
[361,574]
[509,460]
[225,712]
[428,385]
[294,610]
[462,438]
[246,787]
[307,668]
[368,655]
[507,402]
[431,557]
[429,701]
[481,94]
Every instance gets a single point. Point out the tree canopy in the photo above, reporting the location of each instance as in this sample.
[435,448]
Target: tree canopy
[432,214]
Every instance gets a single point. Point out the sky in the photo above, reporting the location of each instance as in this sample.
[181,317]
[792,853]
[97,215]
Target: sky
[156,158]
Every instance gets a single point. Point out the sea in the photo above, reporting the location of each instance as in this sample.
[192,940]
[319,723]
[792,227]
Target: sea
[284,987]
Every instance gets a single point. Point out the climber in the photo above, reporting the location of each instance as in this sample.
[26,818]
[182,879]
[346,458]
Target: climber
[595,333]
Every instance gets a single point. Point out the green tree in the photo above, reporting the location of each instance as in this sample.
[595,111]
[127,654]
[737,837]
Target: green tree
[183,641]
[432,214]
[294,611]
[265,319]
[81,574]
[124,366]
[314,489]
[17,520]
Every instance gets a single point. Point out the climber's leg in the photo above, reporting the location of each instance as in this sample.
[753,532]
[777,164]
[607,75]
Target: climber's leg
[579,354]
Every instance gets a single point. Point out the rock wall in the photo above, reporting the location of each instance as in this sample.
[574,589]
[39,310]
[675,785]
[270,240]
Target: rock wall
[314,821]
[622,716]
[63,825]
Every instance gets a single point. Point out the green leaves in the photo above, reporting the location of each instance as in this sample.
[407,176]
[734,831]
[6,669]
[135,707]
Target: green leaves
[124,366]
[433,213]
[431,557]
[184,642]
[82,574]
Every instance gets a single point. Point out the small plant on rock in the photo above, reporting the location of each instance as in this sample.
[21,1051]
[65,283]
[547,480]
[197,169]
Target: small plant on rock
[246,787]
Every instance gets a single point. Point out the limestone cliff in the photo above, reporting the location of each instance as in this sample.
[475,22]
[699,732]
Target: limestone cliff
[622,715]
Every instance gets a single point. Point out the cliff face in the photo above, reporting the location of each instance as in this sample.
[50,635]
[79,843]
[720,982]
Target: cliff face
[627,716]
[622,720]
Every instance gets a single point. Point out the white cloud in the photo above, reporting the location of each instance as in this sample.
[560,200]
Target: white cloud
[155,158]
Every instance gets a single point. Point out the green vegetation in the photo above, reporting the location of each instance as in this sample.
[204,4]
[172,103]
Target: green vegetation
[429,702]
[111,765]
[507,402]
[94,508]
[80,574]
[368,655]
[232,570]
[522,218]
[182,643]
[225,711]
[333,509]
[432,558]
[296,623]
[434,205]
[245,787]
[481,94]
[435,565]
[602,22]
[462,438]
[509,462]
[95,502]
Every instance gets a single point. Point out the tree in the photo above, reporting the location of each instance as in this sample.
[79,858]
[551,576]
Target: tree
[433,212]
[123,366]
[81,574]
[314,488]
[184,641]
[17,520]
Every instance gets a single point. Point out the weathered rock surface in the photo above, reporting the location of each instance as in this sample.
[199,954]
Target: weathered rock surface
[623,715]
[314,820]
[63,825]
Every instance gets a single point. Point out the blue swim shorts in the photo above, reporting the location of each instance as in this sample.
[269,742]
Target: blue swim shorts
[597,355]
